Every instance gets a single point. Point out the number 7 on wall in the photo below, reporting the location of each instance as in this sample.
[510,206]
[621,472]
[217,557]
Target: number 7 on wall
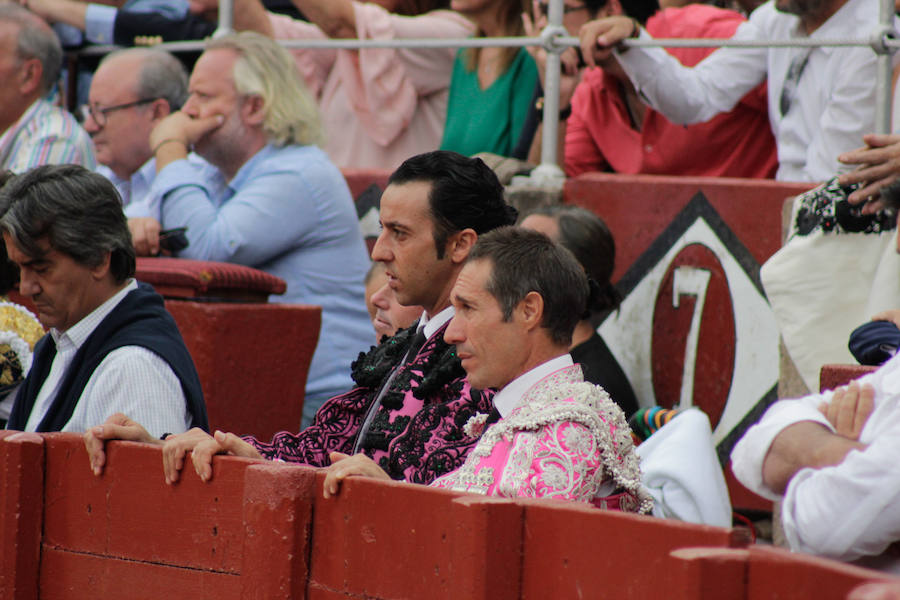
[690,281]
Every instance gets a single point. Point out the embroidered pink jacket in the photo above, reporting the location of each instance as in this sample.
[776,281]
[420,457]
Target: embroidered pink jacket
[565,440]
[417,431]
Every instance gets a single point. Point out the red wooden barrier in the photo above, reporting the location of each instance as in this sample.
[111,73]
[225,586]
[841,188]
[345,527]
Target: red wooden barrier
[252,359]
[833,376]
[263,530]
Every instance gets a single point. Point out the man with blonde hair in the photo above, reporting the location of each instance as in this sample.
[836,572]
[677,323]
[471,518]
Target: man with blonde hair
[269,198]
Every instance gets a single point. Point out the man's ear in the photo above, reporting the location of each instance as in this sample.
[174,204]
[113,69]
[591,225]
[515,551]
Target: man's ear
[101,270]
[30,74]
[531,309]
[253,110]
[160,109]
[460,244]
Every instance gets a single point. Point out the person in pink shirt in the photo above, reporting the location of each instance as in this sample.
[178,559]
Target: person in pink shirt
[550,434]
[612,129]
[379,106]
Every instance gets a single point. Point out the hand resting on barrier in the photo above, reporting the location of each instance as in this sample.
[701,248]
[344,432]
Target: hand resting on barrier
[116,427]
[343,466]
[202,447]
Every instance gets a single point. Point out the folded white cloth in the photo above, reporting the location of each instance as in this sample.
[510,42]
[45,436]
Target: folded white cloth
[680,469]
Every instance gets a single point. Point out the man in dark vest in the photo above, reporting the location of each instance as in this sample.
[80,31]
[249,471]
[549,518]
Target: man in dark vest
[112,345]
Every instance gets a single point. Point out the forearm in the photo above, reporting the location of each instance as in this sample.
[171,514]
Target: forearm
[251,15]
[803,445]
[335,17]
[69,12]
[848,510]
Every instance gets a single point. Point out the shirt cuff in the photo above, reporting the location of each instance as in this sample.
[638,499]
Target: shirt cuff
[99,21]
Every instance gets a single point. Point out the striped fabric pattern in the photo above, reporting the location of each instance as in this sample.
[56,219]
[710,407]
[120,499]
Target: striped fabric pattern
[45,134]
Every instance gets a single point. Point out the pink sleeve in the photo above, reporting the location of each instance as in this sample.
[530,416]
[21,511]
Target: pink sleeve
[384,85]
[314,65]
[566,463]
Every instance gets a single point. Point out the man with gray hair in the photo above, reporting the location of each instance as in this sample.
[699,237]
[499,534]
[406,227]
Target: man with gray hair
[112,345]
[131,92]
[269,198]
[32,130]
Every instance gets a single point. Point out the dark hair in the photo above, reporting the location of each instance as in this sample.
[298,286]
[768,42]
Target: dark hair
[79,213]
[35,40]
[465,193]
[588,238]
[524,261]
[641,10]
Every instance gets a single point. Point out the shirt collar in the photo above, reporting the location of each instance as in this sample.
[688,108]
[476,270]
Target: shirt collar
[78,333]
[508,398]
[430,326]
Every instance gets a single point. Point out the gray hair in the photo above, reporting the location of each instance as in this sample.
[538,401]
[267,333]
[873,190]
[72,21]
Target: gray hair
[265,69]
[161,76]
[35,40]
[77,211]
[523,261]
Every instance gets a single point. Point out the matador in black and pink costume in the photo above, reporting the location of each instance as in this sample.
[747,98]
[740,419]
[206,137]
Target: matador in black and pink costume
[416,432]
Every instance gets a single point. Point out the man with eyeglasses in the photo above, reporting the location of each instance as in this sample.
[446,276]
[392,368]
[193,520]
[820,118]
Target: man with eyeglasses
[821,99]
[33,131]
[131,92]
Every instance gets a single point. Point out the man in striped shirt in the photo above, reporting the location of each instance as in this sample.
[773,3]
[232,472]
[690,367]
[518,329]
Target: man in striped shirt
[33,131]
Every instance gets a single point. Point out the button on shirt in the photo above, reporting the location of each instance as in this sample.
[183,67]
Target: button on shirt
[131,380]
[833,104]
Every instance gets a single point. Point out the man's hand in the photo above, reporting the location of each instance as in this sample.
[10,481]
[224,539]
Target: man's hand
[343,466]
[176,447]
[882,590]
[220,443]
[849,409]
[879,165]
[116,427]
[570,71]
[181,127]
[892,315]
[600,37]
[145,235]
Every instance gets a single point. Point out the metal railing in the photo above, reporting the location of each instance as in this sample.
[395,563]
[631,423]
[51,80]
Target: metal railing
[554,39]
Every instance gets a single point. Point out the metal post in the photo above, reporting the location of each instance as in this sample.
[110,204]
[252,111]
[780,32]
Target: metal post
[226,18]
[548,172]
[884,69]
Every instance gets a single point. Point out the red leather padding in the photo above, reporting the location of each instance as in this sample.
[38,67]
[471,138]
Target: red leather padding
[183,278]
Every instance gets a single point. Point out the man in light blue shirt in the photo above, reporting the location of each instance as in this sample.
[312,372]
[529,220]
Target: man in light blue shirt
[270,198]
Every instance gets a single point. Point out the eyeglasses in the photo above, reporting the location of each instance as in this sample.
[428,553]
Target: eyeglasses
[99,115]
[544,8]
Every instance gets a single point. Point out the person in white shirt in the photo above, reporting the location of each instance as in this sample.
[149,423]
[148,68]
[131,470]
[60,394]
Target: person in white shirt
[112,345]
[832,457]
[821,100]
[132,90]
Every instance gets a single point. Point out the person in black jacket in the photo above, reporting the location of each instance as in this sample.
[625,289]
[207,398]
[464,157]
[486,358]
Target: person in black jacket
[112,345]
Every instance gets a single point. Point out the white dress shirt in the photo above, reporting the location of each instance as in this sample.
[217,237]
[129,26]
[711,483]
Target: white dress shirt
[133,190]
[131,380]
[507,399]
[847,511]
[833,104]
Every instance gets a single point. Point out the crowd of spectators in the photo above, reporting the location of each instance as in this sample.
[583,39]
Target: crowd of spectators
[244,151]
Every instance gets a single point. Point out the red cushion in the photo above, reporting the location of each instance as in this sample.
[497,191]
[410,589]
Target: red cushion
[182,278]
